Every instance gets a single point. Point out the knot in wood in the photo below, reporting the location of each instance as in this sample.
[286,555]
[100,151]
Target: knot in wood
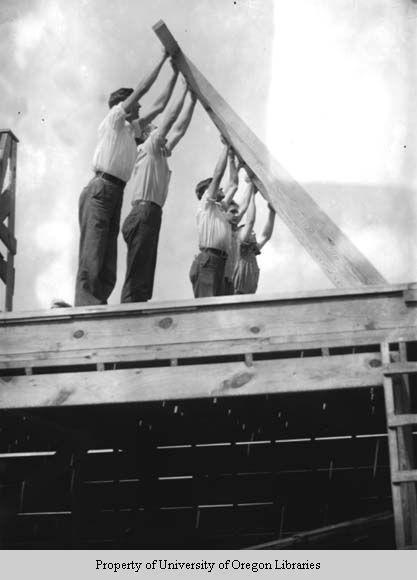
[78,334]
[165,322]
[375,363]
[255,329]
[237,381]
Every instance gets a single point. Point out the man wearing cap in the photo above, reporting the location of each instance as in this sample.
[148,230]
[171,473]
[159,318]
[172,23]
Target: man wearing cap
[101,200]
[215,213]
[149,189]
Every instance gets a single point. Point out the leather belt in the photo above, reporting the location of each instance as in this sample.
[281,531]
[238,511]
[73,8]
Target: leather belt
[111,178]
[145,202]
[214,251]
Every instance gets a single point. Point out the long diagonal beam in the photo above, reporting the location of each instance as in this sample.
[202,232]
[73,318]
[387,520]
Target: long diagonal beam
[341,261]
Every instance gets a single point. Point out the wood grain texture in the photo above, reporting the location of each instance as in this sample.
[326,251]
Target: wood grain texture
[340,260]
[191,381]
[226,329]
[106,311]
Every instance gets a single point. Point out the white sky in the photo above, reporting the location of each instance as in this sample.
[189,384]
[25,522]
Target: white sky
[330,85]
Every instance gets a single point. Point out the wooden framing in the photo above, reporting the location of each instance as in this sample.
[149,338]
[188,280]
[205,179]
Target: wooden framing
[8,156]
[236,347]
[237,359]
[340,260]
[206,328]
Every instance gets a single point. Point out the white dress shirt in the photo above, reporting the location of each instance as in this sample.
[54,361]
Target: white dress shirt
[116,149]
[151,174]
[214,231]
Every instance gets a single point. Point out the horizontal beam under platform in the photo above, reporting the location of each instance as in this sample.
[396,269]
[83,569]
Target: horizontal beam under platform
[191,381]
[212,327]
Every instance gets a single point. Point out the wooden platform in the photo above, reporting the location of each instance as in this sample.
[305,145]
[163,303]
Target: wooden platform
[216,423]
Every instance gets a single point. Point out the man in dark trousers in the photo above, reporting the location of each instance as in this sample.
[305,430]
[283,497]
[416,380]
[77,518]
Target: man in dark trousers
[217,210]
[101,200]
[149,189]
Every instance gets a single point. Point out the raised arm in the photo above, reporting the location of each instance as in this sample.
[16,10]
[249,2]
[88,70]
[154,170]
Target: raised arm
[218,172]
[172,113]
[268,228]
[181,126]
[250,190]
[246,230]
[144,85]
[233,182]
[162,101]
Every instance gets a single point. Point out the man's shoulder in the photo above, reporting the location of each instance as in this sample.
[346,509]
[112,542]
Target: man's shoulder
[115,117]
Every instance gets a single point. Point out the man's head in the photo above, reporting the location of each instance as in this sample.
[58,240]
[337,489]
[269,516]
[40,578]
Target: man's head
[232,213]
[121,95]
[202,187]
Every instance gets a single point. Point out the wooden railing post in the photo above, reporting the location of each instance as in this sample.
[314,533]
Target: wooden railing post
[8,157]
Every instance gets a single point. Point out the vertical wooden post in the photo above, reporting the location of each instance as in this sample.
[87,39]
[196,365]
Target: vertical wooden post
[8,159]
[400,444]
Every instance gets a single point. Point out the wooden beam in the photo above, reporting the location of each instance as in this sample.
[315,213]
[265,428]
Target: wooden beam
[4,204]
[190,381]
[10,132]
[341,261]
[393,291]
[405,476]
[402,420]
[126,334]
[5,146]
[399,368]
[3,269]
[400,444]
[321,535]
[11,227]
[8,238]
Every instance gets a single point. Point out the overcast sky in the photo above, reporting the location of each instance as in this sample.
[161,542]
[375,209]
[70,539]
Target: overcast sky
[329,85]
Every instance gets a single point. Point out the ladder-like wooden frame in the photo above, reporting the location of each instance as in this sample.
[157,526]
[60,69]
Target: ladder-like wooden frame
[400,445]
[8,158]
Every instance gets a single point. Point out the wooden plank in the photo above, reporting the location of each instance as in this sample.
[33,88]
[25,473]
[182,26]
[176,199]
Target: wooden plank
[8,238]
[10,132]
[11,227]
[3,269]
[5,147]
[4,204]
[405,476]
[402,420]
[181,382]
[393,451]
[326,243]
[385,290]
[397,401]
[234,329]
[399,368]
[410,294]
[359,525]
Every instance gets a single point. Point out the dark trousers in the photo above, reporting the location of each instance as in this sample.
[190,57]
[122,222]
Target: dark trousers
[141,233]
[206,274]
[228,287]
[99,217]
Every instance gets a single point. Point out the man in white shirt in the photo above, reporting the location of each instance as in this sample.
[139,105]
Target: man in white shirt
[149,189]
[216,213]
[101,200]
